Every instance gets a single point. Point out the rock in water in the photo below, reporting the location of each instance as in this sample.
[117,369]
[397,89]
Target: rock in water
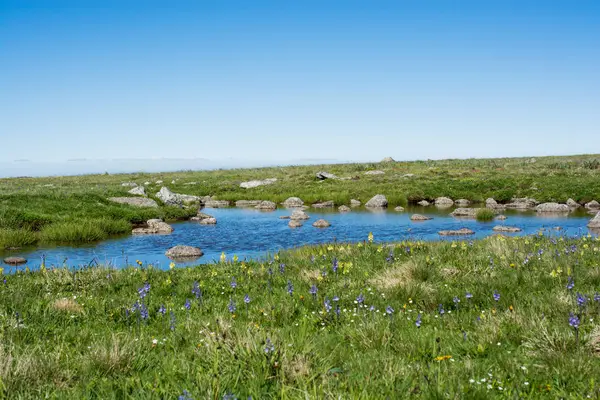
[184,252]
[154,226]
[15,260]
[321,223]
[594,222]
[592,205]
[134,201]
[424,203]
[299,215]
[509,229]
[459,232]
[573,204]
[344,209]
[399,209]
[266,205]
[465,212]
[462,202]
[257,183]
[216,204]
[377,201]
[553,208]
[522,203]
[355,203]
[444,202]
[247,203]
[294,223]
[208,221]
[419,217]
[293,202]
[325,204]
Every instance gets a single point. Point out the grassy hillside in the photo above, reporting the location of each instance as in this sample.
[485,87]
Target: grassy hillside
[41,209]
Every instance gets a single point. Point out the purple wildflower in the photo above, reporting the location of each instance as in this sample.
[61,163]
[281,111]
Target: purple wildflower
[313,291]
[172,321]
[162,310]
[290,288]
[312,259]
[327,304]
[441,309]
[596,297]
[418,321]
[143,291]
[246,299]
[196,291]
[570,283]
[390,256]
[185,396]
[360,299]
[574,321]
[270,271]
[581,300]
[269,347]
[282,268]
[469,296]
[231,307]
[187,304]
[456,300]
[337,310]
[389,310]
[233,283]
[496,295]
[334,265]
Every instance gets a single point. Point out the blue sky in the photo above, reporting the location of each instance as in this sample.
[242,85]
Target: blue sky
[271,82]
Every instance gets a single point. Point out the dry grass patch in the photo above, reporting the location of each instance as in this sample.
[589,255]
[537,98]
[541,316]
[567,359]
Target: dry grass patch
[310,276]
[67,305]
[298,368]
[594,341]
[114,357]
[396,276]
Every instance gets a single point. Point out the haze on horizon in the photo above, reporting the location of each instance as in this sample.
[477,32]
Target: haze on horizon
[268,83]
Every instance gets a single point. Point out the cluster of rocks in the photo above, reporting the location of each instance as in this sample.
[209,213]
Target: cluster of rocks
[175,199]
[153,226]
[257,183]
[204,219]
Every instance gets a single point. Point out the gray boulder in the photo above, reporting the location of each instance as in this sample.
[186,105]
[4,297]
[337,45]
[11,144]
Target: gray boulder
[465,212]
[462,202]
[208,221]
[444,202]
[325,204]
[507,229]
[573,204]
[594,222]
[200,216]
[592,205]
[491,203]
[135,201]
[321,223]
[355,203]
[299,215]
[15,260]
[129,184]
[184,252]
[293,202]
[419,217]
[174,199]
[501,217]
[322,175]
[408,175]
[257,183]
[424,203]
[459,232]
[294,223]
[553,208]
[344,209]
[524,203]
[377,201]
[266,205]
[217,203]
[154,226]
[247,203]
[138,191]
[399,209]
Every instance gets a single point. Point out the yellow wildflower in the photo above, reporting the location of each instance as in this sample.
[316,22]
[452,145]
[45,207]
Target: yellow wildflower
[370,237]
[172,265]
[223,257]
[235,258]
[442,358]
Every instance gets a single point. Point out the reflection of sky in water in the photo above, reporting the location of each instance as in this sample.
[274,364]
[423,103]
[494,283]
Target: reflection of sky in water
[251,233]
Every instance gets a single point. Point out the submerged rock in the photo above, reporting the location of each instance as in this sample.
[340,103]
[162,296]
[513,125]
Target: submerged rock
[134,201]
[184,252]
[344,209]
[524,203]
[266,205]
[377,201]
[208,221]
[217,203]
[295,224]
[257,183]
[459,232]
[321,223]
[399,209]
[465,212]
[247,203]
[419,217]
[138,191]
[299,215]
[355,203]
[424,203]
[15,260]
[509,229]
[293,202]
[462,202]
[154,226]
[325,204]
[501,217]
[553,208]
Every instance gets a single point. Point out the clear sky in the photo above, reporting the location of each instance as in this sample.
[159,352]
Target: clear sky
[270,81]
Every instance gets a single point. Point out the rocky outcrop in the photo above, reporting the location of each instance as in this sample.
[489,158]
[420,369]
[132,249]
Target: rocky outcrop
[419,217]
[594,222]
[257,183]
[295,224]
[154,226]
[508,229]
[15,260]
[355,203]
[208,221]
[200,216]
[376,172]
[424,203]
[129,184]
[344,209]
[491,203]
[299,215]
[291,202]
[524,203]
[138,191]
[388,159]
[217,203]
[322,175]
[377,201]
[325,204]
[266,205]
[592,205]
[175,199]
[462,202]
[247,203]
[184,252]
[553,208]
[321,223]
[134,201]
[573,204]
[399,209]
[444,202]
[458,232]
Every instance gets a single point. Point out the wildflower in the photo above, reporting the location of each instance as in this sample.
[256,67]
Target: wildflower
[231,306]
[143,291]
[441,309]
[336,298]
[270,271]
[312,259]
[235,258]
[185,396]
[496,295]
[187,304]
[596,296]
[223,257]
[456,300]
[570,283]
[370,237]
[313,291]
[162,310]
[269,347]
[290,288]
[327,304]
[389,310]
[574,321]
[360,299]
[418,321]
[372,308]
[282,268]
[390,256]
[337,310]
[246,299]
[233,283]
[196,291]
[581,300]
[442,358]
[154,342]
[172,321]
[469,296]
[171,265]
[334,265]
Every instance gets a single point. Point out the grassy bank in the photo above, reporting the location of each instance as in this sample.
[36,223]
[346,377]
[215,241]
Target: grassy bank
[483,319]
[30,205]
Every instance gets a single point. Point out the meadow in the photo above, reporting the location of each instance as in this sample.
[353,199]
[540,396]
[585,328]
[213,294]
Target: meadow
[494,318]
[75,209]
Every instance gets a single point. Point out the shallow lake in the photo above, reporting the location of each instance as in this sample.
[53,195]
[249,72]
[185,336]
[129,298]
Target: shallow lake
[250,233]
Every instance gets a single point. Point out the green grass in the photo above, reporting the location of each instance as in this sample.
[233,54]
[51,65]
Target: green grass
[85,230]
[13,238]
[485,214]
[31,204]
[73,334]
